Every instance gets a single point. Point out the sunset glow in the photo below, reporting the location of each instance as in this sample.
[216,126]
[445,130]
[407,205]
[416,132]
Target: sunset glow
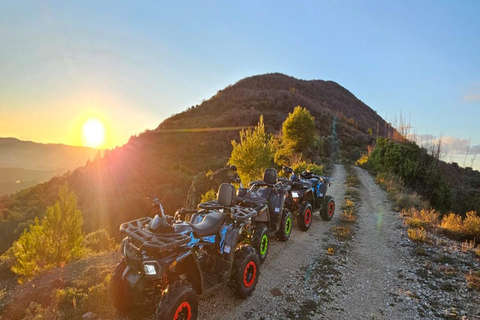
[93,133]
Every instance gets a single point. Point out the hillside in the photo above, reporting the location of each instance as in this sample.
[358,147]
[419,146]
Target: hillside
[16,179]
[163,161]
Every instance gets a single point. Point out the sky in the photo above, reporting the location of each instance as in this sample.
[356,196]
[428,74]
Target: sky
[133,64]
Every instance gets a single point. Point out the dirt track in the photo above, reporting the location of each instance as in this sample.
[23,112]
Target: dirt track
[299,281]
[281,288]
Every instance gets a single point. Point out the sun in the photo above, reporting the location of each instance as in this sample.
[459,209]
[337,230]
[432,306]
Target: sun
[93,132]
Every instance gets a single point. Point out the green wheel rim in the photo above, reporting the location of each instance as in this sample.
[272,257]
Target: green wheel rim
[288,225]
[264,245]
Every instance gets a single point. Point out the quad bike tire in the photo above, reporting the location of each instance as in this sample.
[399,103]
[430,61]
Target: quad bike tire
[328,208]
[304,217]
[180,302]
[245,271]
[261,241]
[118,292]
[283,234]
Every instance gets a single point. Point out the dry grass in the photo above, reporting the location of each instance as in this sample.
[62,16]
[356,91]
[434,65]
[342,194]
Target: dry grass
[398,194]
[452,222]
[473,280]
[417,235]
[342,233]
[469,227]
[471,224]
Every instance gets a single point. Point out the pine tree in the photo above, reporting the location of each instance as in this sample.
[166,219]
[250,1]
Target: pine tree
[54,241]
[253,154]
[299,129]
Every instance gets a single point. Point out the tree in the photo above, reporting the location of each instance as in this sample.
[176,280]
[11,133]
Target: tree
[55,240]
[253,154]
[299,129]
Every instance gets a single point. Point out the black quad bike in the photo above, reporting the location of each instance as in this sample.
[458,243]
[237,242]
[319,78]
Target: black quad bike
[167,263]
[267,197]
[299,201]
[303,200]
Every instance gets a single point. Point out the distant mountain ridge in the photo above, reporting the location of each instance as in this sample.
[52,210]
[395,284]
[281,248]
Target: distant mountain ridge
[24,164]
[15,153]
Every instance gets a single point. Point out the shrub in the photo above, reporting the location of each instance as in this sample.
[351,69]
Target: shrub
[208,196]
[362,161]
[253,154]
[452,222]
[70,298]
[473,280]
[35,311]
[418,235]
[299,129]
[56,240]
[98,241]
[471,224]
[304,166]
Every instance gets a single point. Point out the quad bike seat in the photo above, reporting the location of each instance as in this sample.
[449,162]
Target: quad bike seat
[214,219]
[210,224]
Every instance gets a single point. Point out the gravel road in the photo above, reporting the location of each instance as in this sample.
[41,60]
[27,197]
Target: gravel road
[281,288]
[370,287]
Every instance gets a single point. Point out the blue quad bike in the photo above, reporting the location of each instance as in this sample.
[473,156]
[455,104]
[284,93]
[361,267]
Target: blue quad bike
[307,194]
[167,263]
[266,197]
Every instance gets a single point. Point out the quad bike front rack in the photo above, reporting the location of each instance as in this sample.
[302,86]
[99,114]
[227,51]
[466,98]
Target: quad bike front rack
[160,242]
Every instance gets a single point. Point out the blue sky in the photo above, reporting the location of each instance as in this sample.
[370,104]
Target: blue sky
[133,64]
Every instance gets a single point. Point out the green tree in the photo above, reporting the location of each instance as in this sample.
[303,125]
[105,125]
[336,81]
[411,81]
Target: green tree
[55,240]
[253,154]
[299,129]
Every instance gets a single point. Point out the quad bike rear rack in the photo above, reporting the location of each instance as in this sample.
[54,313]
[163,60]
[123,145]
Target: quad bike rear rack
[160,242]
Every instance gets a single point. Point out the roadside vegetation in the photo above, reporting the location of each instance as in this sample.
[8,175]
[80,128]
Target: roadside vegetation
[419,190]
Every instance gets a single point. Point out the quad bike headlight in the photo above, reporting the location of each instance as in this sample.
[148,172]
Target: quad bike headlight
[295,194]
[149,269]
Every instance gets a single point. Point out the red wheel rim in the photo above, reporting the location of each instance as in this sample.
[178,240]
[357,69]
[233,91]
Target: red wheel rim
[184,311]
[249,274]
[308,216]
[331,208]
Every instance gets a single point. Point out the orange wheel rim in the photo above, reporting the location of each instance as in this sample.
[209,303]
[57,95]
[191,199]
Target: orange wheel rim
[249,274]
[184,311]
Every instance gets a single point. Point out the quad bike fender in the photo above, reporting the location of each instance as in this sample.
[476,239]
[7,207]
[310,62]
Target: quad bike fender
[232,235]
[188,264]
[310,197]
[133,280]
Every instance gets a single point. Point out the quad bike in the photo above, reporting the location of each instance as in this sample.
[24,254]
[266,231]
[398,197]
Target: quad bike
[266,198]
[167,263]
[299,200]
[317,198]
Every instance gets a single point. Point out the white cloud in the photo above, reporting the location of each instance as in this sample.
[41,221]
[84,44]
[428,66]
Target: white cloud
[471,97]
[474,149]
[449,144]
[473,93]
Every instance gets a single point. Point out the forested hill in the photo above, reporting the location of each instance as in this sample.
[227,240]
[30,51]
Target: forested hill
[274,95]
[163,161]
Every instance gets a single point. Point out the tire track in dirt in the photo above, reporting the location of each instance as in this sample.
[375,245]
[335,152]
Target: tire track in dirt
[281,283]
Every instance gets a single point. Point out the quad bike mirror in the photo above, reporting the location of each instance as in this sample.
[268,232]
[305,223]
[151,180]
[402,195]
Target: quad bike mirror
[233,167]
